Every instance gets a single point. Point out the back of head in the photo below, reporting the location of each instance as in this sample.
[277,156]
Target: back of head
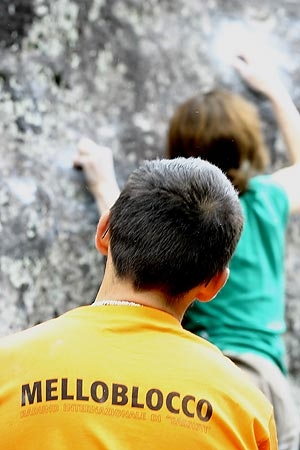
[222,128]
[175,225]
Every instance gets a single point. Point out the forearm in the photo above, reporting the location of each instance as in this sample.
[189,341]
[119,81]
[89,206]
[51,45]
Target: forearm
[288,119]
[260,76]
[98,165]
[105,196]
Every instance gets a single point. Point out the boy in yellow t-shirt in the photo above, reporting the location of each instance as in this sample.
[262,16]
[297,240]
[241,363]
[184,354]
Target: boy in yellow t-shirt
[122,373]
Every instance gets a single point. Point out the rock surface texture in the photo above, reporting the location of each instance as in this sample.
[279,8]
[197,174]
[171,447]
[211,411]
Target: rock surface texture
[112,70]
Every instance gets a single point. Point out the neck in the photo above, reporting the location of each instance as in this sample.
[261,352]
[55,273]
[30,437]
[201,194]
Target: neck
[123,294]
[114,289]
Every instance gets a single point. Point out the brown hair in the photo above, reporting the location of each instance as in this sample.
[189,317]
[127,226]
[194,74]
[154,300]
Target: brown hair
[222,128]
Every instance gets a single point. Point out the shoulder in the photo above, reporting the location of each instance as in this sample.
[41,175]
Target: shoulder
[31,338]
[234,390]
[265,192]
[267,183]
[230,379]
[288,179]
[21,339]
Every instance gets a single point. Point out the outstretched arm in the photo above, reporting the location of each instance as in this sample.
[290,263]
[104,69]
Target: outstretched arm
[98,165]
[259,75]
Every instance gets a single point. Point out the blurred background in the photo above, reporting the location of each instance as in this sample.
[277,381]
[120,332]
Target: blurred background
[112,70]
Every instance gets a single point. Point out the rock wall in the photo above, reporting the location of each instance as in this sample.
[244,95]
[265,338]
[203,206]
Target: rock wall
[112,70]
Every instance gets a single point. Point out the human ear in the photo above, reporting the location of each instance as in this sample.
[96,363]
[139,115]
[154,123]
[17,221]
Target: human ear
[102,234]
[208,291]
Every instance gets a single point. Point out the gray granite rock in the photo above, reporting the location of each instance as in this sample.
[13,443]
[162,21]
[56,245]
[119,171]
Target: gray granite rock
[113,70]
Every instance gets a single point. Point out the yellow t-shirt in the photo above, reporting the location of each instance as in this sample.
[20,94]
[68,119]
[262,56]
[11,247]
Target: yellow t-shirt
[124,377]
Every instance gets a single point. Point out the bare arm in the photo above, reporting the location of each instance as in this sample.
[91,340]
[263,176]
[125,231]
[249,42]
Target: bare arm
[260,76]
[98,165]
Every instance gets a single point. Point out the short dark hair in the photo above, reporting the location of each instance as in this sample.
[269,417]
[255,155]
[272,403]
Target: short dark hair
[223,128]
[174,226]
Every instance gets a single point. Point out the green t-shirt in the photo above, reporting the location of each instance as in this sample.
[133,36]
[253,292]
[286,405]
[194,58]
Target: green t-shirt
[248,313]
